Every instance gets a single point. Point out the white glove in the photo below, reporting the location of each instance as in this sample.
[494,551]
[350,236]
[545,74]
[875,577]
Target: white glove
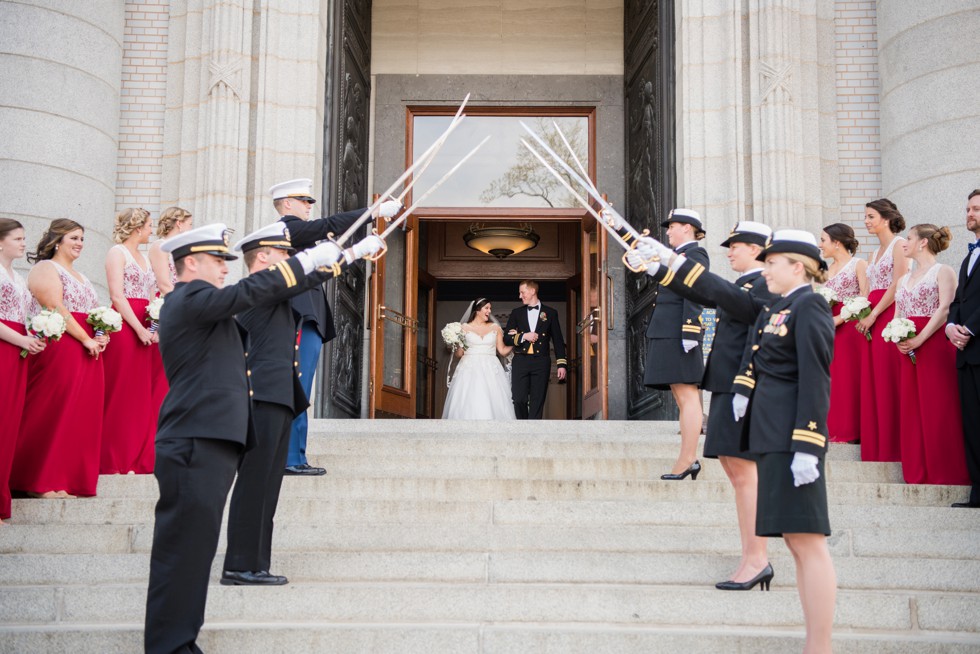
[323,255]
[649,247]
[804,467]
[389,208]
[612,218]
[688,345]
[366,247]
[739,405]
[636,260]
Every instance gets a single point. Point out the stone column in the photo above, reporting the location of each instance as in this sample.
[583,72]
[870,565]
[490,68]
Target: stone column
[930,118]
[60,74]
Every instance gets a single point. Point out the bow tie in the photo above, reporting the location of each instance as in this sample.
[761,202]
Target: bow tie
[972,246]
[534,307]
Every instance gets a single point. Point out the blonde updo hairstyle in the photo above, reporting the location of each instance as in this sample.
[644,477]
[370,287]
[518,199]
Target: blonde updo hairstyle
[127,222]
[937,238]
[810,266]
[169,219]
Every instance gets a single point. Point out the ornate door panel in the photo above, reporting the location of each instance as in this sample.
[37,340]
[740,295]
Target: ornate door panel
[591,329]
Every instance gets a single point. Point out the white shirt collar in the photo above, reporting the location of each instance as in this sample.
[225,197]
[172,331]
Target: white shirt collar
[796,289]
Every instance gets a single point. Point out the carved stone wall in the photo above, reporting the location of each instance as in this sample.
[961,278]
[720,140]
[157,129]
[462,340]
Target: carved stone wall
[650,187]
[345,168]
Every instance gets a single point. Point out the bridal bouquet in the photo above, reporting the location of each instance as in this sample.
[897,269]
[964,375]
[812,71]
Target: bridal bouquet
[828,294]
[898,330]
[104,320]
[48,325]
[153,313]
[452,334]
[857,308]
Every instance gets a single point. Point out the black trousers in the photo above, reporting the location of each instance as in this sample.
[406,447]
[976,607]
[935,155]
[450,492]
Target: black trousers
[969,378]
[256,493]
[194,475]
[529,384]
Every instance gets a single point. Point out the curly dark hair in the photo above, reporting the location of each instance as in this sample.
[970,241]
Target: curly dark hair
[889,211]
[843,234]
[50,239]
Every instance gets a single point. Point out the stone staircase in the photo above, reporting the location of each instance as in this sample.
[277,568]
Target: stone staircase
[456,537]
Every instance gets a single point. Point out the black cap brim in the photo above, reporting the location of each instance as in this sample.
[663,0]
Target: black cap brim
[684,220]
[748,237]
[794,247]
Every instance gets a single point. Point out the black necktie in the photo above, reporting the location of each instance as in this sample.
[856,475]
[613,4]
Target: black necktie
[533,307]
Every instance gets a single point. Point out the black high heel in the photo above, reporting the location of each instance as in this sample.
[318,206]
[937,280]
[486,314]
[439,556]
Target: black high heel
[694,471]
[763,579]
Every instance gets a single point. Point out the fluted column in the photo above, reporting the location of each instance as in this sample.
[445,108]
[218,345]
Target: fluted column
[60,72]
[930,117]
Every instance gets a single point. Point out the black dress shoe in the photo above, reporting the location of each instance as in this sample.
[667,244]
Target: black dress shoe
[965,505]
[306,470]
[763,578]
[694,471]
[248,578]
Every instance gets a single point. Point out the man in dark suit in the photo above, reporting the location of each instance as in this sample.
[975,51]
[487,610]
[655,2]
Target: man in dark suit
[962,330]
[204,422]
[293,200]
[531,329]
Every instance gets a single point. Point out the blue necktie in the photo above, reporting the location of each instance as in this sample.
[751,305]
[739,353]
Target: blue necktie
[972,246]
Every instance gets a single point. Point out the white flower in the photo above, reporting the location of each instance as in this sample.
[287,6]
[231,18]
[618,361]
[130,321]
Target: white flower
[105,319]
[47,323]
[828,294]
[153,308]
[898,330]
[854,307]
[452,334]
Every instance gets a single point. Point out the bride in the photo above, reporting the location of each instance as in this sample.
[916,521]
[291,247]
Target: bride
[479,389]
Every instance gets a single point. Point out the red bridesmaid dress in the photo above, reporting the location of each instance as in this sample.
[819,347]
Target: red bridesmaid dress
[844,417]
[880,439]
[932,424]
[13,378]
[129,424]
[61,430]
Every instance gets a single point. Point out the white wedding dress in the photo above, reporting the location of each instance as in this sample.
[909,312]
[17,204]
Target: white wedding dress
[479,389]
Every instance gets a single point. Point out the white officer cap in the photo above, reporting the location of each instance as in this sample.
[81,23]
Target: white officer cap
[796,241]
[748,231]
[686,216]
[209,239]
[275,235]
[301,189]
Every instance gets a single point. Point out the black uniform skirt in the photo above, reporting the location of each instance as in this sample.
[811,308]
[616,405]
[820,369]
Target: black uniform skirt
[787,509]
[724,434]
[667,363]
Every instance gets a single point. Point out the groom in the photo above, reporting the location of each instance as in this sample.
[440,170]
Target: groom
[530,329]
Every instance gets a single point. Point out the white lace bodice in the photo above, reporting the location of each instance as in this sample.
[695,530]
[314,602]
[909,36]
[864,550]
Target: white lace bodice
[881,269]
[480,345]
[77,296]
[920,300]
[137,282]
[14,297]
[845,282]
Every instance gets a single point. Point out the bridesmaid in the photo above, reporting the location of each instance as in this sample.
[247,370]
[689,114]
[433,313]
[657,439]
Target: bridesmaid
[13,339]
[847,277]
[932,424]
[58,445]
[129,422]
[881,361]
[172,221]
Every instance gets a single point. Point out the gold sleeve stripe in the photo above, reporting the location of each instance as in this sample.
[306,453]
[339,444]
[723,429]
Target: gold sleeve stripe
[691,328]
[745,381]
[668,277]
[809,437]
[627,237]
[287,274]
[693,275]
[561,362]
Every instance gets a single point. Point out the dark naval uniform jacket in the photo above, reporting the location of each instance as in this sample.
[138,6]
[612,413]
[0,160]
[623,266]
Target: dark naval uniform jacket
[547,329]
[312,306]
[738,305]
[272,351]
[674,316]
[785,371]
[204,356]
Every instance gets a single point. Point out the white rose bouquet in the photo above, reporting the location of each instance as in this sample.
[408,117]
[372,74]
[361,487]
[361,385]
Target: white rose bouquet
[828,294]
[857,308]
[153,313]
[452,334]
[47,325]
[898,330]
[104,320]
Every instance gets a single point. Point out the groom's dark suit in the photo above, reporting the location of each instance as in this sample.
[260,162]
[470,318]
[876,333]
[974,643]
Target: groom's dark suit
[532,361]
[965,311]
